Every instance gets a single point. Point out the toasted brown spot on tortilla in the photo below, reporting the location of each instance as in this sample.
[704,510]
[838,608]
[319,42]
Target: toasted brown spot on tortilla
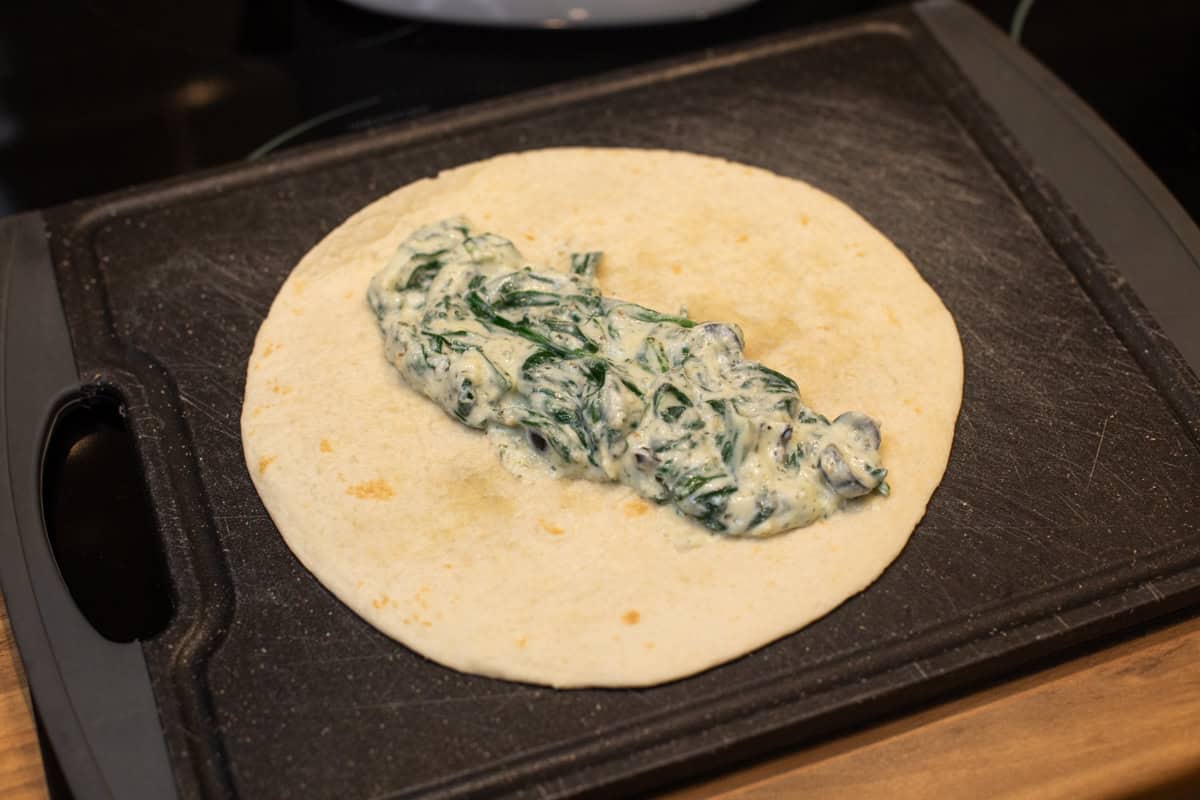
[326,447]
[742,239]
[377,489]
[631,617]
[832,304]
[550,527]
[381,601]
[763,336]
[804,219]
[348,295]
[891,315]
[677,269]
[265,462]
[531,237]
[522,641]
[648,645]
[489,496]
[636,508]
[270,347]
[299,312]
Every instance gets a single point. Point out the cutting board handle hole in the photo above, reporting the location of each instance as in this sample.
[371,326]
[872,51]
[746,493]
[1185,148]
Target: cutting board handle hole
[99,520]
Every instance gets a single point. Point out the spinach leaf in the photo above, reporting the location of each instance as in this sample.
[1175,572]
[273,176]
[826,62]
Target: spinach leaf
[585,263]
[525,299]
[650,315]
[425,271]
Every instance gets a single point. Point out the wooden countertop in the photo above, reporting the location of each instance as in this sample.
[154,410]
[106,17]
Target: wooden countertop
[20,760]
[1120,722]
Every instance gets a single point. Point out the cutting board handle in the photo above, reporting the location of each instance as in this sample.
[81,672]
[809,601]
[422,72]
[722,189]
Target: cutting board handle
[93,696]
[99,519]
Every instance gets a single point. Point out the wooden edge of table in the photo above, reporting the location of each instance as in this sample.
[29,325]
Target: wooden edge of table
[1120,722]
[21,775]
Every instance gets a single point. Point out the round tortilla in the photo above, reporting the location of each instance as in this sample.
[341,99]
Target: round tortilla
[410,519]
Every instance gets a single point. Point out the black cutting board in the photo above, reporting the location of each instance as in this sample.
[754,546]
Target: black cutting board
[1069,507]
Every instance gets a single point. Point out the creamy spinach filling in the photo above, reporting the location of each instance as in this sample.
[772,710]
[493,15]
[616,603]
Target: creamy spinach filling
[608,390]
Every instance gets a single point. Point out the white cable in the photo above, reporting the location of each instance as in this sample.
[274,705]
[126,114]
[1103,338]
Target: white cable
[309,124]
[1018,20]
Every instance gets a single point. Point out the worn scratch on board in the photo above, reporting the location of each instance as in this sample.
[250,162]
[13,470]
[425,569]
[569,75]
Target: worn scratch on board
[1099,444]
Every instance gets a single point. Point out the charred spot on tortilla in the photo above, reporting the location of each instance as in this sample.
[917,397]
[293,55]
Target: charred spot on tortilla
[609,390]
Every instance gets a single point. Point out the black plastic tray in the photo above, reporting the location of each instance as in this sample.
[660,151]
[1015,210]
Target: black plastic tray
[1069,508]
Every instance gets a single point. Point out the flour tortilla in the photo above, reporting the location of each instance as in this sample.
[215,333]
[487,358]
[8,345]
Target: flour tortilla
[409,517]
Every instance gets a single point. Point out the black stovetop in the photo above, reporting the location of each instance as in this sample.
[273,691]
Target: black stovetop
[101,94]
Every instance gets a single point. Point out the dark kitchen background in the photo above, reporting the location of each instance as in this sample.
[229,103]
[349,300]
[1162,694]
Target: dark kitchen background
[97,95]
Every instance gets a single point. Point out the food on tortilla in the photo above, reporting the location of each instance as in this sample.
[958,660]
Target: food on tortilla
[407,516]
[610,390]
